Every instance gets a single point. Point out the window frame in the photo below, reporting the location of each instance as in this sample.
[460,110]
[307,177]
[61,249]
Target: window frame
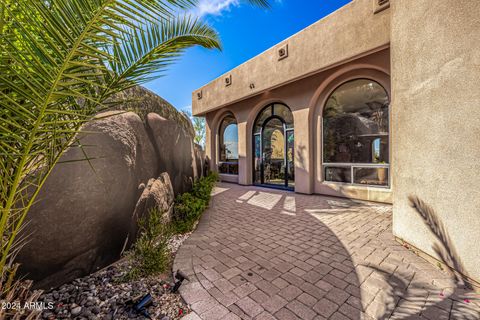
[229,163]
[353,165]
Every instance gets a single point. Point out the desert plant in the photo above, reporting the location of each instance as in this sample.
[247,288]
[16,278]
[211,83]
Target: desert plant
[199,127]
[187,210]
[202,189]
[200,130]
[150,254]
[189,206]
[17,292]
[62,61]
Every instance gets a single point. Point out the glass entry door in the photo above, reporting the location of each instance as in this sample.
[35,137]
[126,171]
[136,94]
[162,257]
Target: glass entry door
[274,154]
[273,141]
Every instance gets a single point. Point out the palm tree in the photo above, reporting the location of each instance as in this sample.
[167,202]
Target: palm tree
[63,61]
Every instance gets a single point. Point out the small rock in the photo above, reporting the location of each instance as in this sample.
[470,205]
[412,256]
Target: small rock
[76,311]
[96,310]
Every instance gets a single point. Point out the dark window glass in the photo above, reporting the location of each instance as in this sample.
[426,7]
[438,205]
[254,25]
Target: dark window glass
[355,124]
[283,112]
[228,146]
[228,167]
[338,174]
[371,176]
[266,113]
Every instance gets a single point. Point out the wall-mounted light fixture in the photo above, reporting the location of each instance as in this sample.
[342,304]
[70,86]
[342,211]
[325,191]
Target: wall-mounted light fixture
[199,95]
[252,85]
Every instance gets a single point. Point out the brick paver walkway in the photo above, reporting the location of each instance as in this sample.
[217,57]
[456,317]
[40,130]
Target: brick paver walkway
[265,254]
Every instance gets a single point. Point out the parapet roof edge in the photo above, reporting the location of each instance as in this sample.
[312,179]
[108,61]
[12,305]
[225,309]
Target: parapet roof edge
[278,43]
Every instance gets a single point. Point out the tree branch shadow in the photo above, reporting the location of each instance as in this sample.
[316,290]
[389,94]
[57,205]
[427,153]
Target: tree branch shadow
[423,298]
[445,249]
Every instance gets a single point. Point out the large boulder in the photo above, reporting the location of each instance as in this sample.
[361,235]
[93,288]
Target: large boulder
[176,150]
[83,214]
[199,160]
[143,101]
[157,195]
[87,212]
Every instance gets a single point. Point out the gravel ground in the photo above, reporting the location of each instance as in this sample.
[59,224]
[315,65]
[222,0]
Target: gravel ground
[103,295]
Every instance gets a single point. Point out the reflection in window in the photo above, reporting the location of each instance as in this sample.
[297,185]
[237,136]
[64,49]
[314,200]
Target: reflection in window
[355,134]
[376,150]
[276,109]
[338,174]
[274,152]
[228,146]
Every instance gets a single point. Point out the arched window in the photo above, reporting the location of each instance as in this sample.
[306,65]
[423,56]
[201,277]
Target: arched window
[228,145]
[355,134]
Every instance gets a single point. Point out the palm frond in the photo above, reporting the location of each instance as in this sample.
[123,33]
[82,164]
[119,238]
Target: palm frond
[144,54]
[260,3]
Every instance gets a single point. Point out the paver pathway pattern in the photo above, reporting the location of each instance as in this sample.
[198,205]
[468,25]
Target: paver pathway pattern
[266,254]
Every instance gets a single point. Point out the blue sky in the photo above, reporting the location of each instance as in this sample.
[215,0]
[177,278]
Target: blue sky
[245,31]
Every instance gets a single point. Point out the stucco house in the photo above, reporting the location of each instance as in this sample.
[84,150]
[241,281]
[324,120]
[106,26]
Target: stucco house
[377,101]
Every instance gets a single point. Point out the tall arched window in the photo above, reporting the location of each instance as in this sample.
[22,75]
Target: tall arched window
[228,145]
[356,134]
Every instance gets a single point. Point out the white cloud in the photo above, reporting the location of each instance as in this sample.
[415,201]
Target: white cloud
[187,109]
[215,7]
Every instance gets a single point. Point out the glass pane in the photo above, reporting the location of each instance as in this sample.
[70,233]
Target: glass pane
[228,167]
[284,112]
[290,159]
[267,112]
[376,150]
[338,174]
[355,117]
[230,142]
[371,176]
[274,152]
[223,167]
[233,168]
[257,158]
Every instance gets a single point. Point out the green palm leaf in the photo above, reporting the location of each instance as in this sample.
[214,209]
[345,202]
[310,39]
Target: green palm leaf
[144,54]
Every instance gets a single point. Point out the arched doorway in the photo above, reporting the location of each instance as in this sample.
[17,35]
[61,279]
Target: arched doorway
[273,147]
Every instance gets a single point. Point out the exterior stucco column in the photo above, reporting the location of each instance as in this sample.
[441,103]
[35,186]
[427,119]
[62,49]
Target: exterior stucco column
[303,172]
[436,125]
[243,167]
[210,142]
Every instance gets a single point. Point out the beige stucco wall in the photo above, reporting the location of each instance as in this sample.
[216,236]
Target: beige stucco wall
[306,98]
[351,31]
[436,123]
